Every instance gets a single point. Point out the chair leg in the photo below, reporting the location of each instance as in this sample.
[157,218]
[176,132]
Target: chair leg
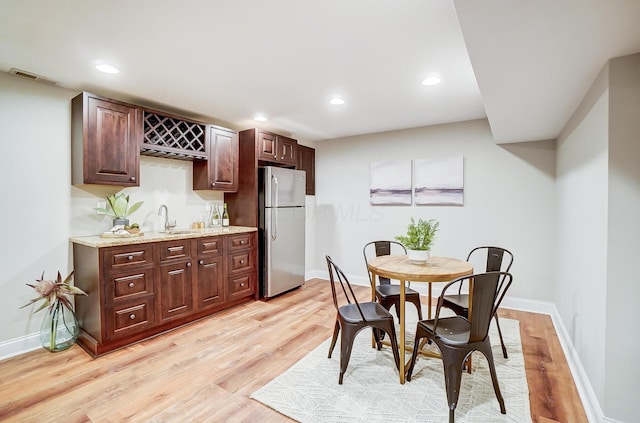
[389,328]
[336,329]
[453,360]
[485,349]
[346,345]
[504,349]
[416,350]
[416,301]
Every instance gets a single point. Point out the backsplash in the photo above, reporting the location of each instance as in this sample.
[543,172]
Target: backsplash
[162,181]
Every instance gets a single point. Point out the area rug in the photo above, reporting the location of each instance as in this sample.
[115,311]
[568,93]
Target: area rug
[371,392]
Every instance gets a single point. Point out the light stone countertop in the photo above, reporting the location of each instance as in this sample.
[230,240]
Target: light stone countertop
[97,241]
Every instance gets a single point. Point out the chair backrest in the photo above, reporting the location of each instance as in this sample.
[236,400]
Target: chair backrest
[337,277]
[381,248]
[494,259]
[488,291]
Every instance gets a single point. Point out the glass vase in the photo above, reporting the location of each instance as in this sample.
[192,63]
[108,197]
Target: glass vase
[59,329]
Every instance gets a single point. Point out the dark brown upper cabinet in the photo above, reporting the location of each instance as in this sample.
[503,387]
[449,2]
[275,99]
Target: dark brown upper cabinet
[220,170]
[307,162]
[276,149]
[105,141]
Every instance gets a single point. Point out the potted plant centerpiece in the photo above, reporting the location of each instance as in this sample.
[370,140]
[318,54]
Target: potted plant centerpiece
[419,238]
[119,208]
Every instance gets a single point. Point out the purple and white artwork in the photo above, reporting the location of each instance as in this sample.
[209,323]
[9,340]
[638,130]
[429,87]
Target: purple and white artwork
[439,181]
[390,182]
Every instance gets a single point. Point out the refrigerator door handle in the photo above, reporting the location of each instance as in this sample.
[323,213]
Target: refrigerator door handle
[274,212]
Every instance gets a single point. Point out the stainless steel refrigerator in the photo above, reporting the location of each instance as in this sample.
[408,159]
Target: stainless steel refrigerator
[281,212]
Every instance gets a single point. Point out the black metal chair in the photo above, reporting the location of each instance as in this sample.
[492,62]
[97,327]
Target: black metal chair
[388,294]
[458,336]
[353,316]
[497,259]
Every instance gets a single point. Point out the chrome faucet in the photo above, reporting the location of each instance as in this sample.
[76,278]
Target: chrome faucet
[167,224]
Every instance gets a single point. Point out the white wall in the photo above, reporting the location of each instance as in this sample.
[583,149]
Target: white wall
[598,207]
[582,231]
[509,200]
[41,209]
[622,386]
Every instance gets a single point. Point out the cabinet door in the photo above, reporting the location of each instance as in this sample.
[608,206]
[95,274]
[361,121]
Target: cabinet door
[223,159]
[210,284]
[111,142]
[220,170]
[267,146]
[175,290]
[307,162]
[287,150]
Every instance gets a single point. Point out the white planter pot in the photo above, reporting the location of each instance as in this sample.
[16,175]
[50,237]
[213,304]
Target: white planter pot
[418,256]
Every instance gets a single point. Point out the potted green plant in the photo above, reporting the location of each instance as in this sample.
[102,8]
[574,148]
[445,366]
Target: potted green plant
[119,208]
[419,238]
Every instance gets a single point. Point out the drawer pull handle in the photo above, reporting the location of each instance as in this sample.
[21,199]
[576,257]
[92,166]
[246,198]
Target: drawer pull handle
[242,284]
[213,184]
[241,261]
[131,284]
[201,262]
[132,316]
[130,258]
[242,242]
[188,264]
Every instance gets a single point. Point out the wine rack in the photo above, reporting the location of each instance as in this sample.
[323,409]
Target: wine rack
[170,137]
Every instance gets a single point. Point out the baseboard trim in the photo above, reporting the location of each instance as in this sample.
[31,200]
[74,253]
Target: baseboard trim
[21,345]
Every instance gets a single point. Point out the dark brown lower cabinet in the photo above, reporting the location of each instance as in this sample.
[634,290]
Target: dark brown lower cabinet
[141,290]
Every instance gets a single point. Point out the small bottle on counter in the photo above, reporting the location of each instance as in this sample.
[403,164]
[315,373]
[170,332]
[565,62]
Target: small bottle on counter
[225,216]
[215,217]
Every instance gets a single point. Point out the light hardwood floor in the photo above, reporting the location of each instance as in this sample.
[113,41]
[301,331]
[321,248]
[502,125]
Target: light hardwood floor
[205,372]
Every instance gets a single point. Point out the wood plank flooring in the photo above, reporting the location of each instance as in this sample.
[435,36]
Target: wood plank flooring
[205,372]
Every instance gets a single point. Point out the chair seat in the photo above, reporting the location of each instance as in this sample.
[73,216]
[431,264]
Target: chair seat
[385,291]
[453,330]
[372,312]
[457,302]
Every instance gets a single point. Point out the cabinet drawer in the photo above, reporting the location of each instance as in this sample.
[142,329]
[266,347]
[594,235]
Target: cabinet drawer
[121,286]
[241,241]
[241,262]
[127,257]
[210,247]
[131,317]
[178,249]
[242,285]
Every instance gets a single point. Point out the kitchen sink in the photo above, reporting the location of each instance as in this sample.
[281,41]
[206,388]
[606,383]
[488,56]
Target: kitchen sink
[181,231]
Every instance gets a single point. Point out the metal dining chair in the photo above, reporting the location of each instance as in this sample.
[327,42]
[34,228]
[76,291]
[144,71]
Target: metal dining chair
[352,316]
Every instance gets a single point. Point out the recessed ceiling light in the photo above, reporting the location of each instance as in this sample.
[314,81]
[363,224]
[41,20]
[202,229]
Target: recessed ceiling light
[107,68]
[260,118]
[336,101]
[431,80]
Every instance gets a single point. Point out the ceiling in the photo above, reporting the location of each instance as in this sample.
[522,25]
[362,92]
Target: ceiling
[523,64]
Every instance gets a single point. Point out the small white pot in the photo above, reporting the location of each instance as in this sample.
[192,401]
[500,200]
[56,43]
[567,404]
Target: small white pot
[419,256]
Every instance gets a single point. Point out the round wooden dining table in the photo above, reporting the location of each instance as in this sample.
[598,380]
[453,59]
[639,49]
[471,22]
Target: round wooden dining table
[401,268]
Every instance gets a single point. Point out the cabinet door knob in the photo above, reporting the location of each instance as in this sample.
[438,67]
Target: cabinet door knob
[132,316]
[130,258]
[201,262]
[132,179]
[131,284]
[188,264]
[213,184]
